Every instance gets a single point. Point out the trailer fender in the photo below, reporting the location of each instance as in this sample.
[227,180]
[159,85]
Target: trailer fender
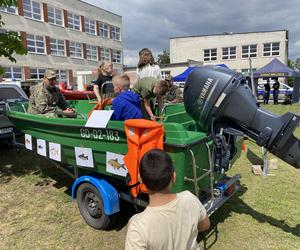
[109,194]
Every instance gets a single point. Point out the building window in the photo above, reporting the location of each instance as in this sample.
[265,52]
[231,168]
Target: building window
[14,73]
[229,53]
[103,30]
[10,9]
[32,9]
[90,26]
[271,49]
[117,56]
[75,50]
[73,21]
[91,52]
[249,51]
[37,73]
[62,75]
[115,33]
[55,16]
[57,47]
[105,54]
[35,44]
[165,73]
[210,55]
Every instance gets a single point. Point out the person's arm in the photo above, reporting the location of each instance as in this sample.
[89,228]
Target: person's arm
[135,238]
[160,103]
[97,92]
[149,110]
[62,104]
[204,224]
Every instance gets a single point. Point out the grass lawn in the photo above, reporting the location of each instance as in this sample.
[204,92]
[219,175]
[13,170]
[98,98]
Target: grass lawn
[36,210]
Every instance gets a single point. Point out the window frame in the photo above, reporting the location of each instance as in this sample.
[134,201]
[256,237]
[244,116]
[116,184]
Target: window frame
[38,73]
[55,16]
[103,30]
[228,55]
[31,11]
[271,51]
[56,49]
[59,75]
[115,35]
[210,55]
[89,55]
[87,26]
[115,57]
[12,72]
[35,44]
[5,9]
[73,27]
[105,51]
[74,45]
[249,53]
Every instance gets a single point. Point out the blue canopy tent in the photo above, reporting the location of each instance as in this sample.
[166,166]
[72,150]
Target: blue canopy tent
[183,76]
[276,68]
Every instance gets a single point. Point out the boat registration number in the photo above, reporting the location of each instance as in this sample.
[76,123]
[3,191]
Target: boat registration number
[100,134]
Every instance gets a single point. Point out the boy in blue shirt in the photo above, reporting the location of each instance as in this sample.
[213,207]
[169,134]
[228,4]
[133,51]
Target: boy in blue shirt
[127,103]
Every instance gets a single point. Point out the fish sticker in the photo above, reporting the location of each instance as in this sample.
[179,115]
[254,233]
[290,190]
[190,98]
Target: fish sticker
[41,147]
[55,151]
[28,141]
[115,164]
[83,157]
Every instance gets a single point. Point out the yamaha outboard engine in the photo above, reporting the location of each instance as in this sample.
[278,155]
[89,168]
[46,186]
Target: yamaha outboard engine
[217,98]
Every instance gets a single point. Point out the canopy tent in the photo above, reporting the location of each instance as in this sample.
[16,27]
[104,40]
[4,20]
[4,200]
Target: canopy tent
[182,77]
[276,68]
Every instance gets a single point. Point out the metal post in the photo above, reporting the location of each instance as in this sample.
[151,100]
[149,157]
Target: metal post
[252,79]
[265,152]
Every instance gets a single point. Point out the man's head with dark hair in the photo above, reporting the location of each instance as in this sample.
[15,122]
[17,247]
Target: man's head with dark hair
[156,170]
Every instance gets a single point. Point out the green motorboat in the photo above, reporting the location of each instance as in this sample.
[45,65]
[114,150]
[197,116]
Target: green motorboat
[96,157]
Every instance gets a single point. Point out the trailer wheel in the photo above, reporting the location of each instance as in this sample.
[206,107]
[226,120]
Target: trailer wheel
[91,207]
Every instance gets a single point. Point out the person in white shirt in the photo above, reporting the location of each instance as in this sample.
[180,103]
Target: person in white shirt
[147,67]
[171,220]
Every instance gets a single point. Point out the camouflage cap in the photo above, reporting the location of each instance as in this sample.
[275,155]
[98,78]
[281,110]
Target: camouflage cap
[50,74]
[169,78]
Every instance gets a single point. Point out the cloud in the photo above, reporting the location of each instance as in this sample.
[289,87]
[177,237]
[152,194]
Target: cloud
[151,23]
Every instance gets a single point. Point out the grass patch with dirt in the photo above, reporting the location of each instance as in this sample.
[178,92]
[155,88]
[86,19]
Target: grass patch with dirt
[37,212]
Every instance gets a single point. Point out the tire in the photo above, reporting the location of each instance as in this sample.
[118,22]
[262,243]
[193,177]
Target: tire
[91,207]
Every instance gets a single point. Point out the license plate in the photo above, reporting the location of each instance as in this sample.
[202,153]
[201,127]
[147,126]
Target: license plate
[5,130]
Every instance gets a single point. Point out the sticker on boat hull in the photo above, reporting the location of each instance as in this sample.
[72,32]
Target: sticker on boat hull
[41,147]
[54,151]
[84,157]
[115,164]
[28,141]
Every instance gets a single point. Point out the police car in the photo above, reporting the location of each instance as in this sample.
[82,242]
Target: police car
[284,91]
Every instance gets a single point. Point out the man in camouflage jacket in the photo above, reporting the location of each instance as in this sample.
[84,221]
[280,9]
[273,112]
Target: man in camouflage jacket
[46,98]
[174,95]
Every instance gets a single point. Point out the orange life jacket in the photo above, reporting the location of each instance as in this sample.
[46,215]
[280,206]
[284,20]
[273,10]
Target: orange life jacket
[142,136]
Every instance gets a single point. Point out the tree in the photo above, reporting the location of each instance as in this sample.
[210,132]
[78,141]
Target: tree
[164,58]
[10,42]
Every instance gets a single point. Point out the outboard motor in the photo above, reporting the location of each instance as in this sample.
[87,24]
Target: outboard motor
[218,98]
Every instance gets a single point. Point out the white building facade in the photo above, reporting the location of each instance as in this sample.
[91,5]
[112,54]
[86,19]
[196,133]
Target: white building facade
[232,49]
[68,36]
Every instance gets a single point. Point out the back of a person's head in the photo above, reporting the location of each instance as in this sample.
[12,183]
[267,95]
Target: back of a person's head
[162,87]
[123,81]
[156,170]
[146,58]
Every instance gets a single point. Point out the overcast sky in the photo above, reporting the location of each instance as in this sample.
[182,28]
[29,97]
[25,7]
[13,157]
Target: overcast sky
[150,23]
